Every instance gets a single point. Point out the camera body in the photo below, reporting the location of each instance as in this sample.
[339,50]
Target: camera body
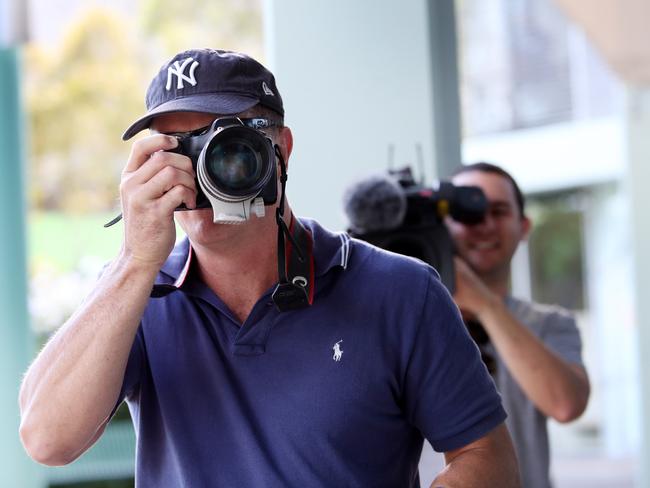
[235,166]
[422,232]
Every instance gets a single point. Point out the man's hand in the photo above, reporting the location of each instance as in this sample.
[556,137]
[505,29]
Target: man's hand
[487,462]
[154,182]
[472,296]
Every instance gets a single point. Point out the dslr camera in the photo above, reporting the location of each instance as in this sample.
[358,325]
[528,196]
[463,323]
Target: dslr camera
[398,214]
[235,167]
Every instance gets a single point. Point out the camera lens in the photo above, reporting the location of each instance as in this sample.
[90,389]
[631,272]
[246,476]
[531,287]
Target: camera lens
[234,165]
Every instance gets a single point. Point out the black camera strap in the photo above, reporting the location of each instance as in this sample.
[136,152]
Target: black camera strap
[295,288]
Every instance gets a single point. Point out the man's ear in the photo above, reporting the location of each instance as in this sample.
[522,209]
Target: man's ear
[286,144]
[526,226]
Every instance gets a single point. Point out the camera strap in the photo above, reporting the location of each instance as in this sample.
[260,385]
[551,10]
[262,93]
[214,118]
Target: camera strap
[295,287]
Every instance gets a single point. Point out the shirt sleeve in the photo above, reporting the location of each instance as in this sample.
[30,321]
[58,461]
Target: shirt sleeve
[561,335]
[449,394]
[133,372]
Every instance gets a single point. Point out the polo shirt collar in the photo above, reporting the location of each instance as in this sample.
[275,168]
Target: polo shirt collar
[177,266]
[331,250]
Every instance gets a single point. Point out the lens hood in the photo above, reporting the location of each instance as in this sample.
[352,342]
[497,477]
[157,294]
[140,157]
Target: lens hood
[236,163]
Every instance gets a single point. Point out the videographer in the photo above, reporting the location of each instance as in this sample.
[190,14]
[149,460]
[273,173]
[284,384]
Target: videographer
[262,350]
[536,348]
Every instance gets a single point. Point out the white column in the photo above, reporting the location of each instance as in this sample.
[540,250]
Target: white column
[637,181]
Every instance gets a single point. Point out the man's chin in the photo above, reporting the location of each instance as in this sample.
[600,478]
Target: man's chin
[482,265]
[193,220]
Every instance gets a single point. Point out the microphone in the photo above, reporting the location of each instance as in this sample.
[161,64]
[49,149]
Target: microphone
[374,204]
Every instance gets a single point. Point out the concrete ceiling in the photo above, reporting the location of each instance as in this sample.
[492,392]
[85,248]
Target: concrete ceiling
[619,30]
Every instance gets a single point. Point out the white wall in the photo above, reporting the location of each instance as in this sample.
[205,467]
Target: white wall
[355,77]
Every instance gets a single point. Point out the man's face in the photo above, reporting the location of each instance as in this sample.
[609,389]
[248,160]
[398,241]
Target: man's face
[198,224]
[489,246]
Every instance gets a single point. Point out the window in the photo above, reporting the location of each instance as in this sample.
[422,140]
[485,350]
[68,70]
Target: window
[523,64]
[556,250]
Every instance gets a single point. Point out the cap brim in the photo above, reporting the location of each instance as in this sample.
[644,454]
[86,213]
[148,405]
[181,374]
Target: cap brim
[211,103]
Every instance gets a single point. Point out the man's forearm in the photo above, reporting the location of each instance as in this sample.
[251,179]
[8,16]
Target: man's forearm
[555,387]
[488,463]
[72,386]
[471,470]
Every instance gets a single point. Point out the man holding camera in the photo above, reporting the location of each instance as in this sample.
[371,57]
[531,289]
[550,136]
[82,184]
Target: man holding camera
[262,350]
[535,349]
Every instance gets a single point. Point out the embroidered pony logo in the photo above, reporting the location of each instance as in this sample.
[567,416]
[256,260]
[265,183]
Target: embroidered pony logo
[338,352]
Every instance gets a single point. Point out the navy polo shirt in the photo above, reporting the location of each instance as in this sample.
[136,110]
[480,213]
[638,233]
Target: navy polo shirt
[338,394]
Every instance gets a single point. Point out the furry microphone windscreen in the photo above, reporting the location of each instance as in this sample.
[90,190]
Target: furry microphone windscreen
[374,204]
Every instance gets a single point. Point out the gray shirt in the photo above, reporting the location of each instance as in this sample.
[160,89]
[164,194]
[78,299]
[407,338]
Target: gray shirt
[527,425]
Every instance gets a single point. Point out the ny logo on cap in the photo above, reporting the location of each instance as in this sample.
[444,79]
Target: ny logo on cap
[179,70]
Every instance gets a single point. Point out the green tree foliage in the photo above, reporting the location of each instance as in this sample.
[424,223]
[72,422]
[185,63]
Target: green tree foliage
[79,99]
[223,24]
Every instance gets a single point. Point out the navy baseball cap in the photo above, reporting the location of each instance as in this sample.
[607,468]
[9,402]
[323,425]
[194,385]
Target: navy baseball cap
[208,81]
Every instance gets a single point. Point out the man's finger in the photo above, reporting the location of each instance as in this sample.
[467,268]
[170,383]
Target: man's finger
[166,179]
[157,162]
[142,149]
[177,195]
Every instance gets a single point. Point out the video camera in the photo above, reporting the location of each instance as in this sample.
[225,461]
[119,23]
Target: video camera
[398,214]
